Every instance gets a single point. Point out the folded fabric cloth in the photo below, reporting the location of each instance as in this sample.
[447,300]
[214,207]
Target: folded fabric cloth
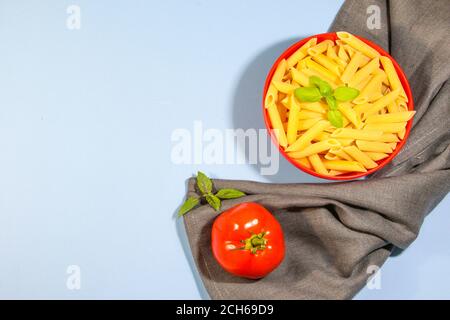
[335,231]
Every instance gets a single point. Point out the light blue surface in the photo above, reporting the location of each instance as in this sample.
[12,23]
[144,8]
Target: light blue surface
[86,118]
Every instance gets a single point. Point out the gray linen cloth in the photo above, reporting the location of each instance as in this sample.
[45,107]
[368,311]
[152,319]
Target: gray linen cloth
[335,231]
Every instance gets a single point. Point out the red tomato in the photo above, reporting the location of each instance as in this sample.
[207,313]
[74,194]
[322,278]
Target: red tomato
[247,241]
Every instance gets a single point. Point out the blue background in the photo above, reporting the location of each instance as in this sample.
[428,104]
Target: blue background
[86,118]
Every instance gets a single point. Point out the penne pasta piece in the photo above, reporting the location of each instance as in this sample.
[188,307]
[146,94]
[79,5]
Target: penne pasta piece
[293,120]
[331,156]
[367,93]
[306,114]
[401,134]
[331,52]
[401,116]
[392,76]
[342,54]
[373,146]
[380,71]
[304,162]
[357,44]
[284,87]
[311,72]
[301,52]
[344,165]
[280,71]
[317,164]
[322,136]
[352,67]
[363,83]
[299,77]
[277,125]
[314,106]
[307,123]
[324,72]
[341,154]
[315,148]
[308,136]
[335,172]
[392,107]
[350,114]
[381,103]
[320,47]
[393,145]
[327,63]
[271,96]
[376,156]
[370,135]
[364,61]
[361,157]
[402,105]
[364,72]
[388,137]
[386,127]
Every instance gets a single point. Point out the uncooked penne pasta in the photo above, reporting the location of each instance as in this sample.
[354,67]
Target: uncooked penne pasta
[299,77]
[317,164]
[327,63]
[324,72]
[307,137]
[284,87]
[280,71]
[344,165]
[271,96]
[361,157]
[376,156]
[357,44]
[401,116]
[315,148]
[364,72]
[301,52]
[370,135]
[277,124]
[352,67]
[304,162]
[341,154]
[319,48]
[350,114]
[314,107]
[386,127]
[381,103]
[307,123]
[368,92]
[392,76]
[373,146]
[364,131]
[293,120]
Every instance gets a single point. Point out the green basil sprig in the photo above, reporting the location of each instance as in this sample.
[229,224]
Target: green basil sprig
[206,193]
[321,89]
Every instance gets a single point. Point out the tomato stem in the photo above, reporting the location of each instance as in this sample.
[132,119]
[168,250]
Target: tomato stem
[255,242]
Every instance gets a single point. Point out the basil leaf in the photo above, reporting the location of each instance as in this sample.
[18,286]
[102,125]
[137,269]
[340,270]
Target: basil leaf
[306,94]
[332,103]
[204,183]
[335,118]
[314,81]
[188,205]
[229,194]
[213,201]
[324,87]
[345,93]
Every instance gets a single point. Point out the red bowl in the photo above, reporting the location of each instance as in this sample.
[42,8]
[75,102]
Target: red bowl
[349,175]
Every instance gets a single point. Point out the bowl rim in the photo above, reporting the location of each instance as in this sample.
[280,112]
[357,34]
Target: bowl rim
[351,175]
